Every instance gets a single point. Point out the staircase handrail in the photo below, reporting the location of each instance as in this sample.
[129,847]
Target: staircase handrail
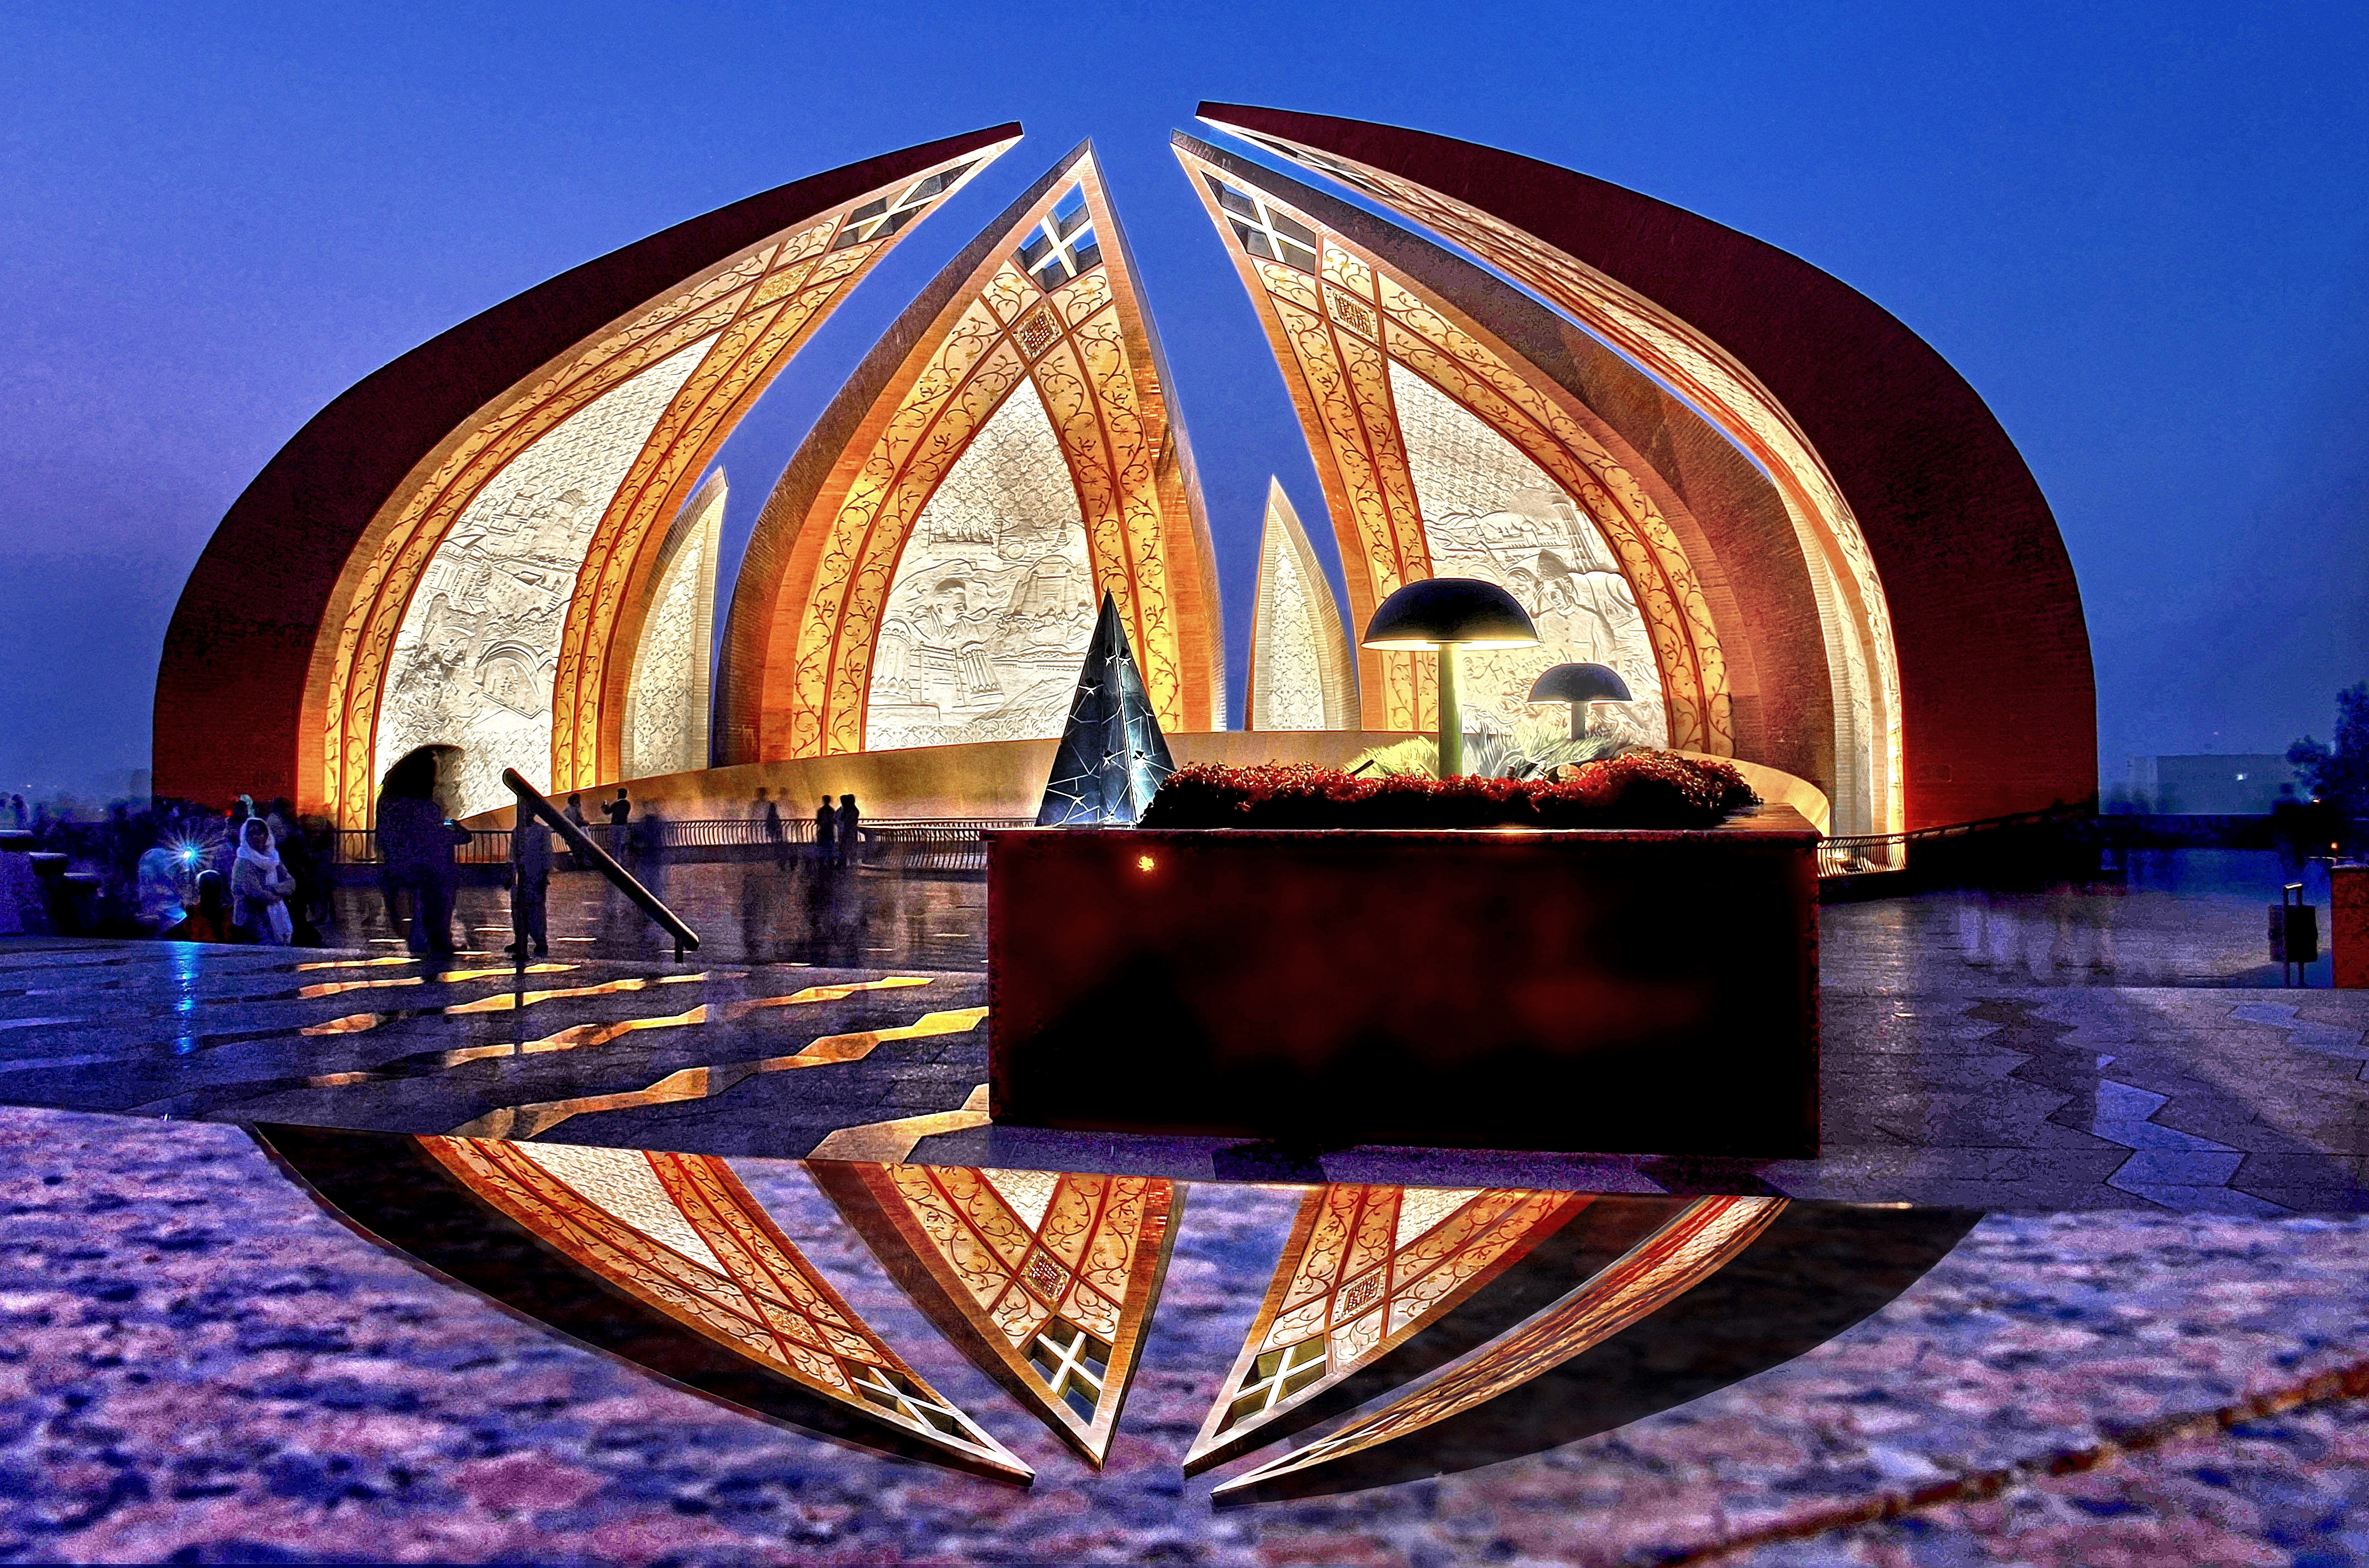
[532,802]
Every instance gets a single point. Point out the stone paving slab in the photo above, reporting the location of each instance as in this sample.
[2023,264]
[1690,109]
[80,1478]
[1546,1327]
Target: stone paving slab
[196,1359]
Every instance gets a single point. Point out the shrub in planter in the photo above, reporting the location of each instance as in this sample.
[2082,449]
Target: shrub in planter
[1636,790]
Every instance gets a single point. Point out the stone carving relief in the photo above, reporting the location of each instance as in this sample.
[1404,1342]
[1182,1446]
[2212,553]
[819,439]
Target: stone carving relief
[1300,662]
[1291,684]
[1491,513]
[665,703]
[474,659]
[992,604]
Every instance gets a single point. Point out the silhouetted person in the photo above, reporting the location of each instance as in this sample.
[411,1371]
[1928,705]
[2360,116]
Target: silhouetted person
[260,887]
[769,817]
[826,834]
[415,844]
[618,812]
[531,884]
[575,813]
[210,921]
[851,847]
[649,851]
[17,811]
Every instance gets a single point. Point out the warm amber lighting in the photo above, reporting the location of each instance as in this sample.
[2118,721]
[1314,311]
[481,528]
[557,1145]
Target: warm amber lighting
[1143,862]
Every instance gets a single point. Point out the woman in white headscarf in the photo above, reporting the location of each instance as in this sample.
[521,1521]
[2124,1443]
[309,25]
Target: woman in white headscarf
[260,886]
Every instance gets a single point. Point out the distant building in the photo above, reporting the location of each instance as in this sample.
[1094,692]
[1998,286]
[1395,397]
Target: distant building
[2212,784]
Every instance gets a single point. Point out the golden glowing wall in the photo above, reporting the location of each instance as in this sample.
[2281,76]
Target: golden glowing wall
[820,597]
[538,516]
[1862,657]
[1344,323]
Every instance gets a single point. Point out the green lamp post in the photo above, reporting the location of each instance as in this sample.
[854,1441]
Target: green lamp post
[1447,615]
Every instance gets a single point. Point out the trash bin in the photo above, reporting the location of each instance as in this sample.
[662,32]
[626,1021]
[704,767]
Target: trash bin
[2294,928]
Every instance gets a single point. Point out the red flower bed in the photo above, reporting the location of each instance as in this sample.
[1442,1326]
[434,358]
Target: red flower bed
[1638,789]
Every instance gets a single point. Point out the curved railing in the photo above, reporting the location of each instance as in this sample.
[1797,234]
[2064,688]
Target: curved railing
[1866,854]
[920,844]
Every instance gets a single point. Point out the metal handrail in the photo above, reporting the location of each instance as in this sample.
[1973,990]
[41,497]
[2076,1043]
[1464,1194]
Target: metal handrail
[530,800]
[1859,853]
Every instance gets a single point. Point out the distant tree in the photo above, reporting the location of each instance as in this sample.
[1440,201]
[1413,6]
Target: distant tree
[2340,774]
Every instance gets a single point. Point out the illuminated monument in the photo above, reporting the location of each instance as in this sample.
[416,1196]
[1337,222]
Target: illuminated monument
[1797,535]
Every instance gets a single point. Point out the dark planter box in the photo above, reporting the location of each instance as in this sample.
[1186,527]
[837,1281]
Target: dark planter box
[1627,992]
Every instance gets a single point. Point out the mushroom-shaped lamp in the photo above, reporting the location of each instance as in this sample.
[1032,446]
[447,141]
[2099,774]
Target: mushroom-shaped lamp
[1580,685]
[1448,614]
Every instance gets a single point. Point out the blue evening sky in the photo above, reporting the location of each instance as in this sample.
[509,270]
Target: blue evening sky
[2138,230]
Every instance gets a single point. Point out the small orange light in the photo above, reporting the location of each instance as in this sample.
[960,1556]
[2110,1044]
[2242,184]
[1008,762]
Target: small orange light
[1143,862]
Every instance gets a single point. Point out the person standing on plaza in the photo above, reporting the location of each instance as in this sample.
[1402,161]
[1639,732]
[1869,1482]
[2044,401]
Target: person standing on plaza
[575,813]
[260,887]
[416,845]
[826,835]
[649,851]
[162,889]
[769,816]
[530,884]
[851,821]
[618,812]
[208,919]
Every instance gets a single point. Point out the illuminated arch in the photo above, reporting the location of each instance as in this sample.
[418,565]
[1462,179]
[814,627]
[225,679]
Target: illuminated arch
[1030,347]
[1384,372]
[598,397]
[1941,572]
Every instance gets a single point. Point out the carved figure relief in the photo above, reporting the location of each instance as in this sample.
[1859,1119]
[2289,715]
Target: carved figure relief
[1491,513]
[1351,334]
[474,661]
[1860,654]
[1019,462]
[993,601]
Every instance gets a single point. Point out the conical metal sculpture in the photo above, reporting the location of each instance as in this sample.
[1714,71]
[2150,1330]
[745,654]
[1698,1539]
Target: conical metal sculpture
[1112,756]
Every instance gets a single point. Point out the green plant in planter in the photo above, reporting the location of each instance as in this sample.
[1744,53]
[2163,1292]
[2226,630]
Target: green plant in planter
[1535,748]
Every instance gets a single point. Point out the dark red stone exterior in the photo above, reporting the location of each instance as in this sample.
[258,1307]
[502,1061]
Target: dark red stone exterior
[239,652]
[1616,991]
[1999,701]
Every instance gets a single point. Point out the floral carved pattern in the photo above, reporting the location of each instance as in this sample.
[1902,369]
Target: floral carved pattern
[1077,348]
[1868,797]
[1345,332]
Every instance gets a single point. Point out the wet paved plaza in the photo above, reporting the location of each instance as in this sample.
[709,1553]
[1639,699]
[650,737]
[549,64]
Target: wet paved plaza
[2105,1308]
[2046,1052]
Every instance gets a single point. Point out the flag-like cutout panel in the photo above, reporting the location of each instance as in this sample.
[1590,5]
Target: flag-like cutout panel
[1047,1279]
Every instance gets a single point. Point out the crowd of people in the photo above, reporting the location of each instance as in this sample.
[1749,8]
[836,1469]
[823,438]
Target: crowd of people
[255,873]
[259,874]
